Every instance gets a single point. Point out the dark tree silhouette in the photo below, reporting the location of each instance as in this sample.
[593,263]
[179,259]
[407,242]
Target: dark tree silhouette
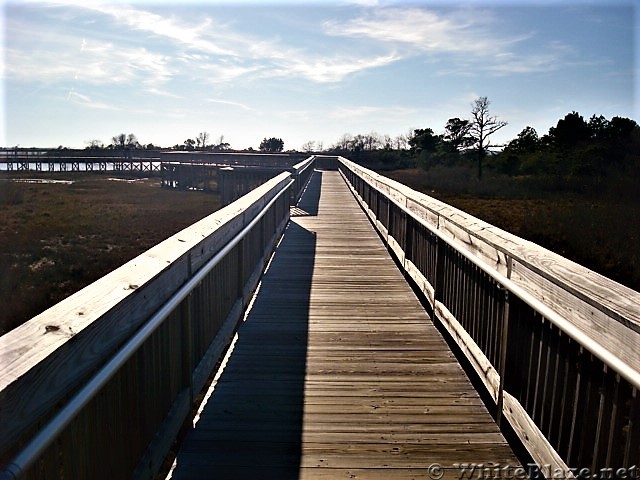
[570,130]
[620,127]
[132,141]
[457,133]
[527,141]
[119,141]
[483,125]
[423,139]
[122,141]
[272,145]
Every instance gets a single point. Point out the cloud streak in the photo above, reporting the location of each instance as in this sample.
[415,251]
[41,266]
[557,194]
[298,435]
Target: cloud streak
[421,29]
[86,101]
[467,37]
[226,55]
[229,102]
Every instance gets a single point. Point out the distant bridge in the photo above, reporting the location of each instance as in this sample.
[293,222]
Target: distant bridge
[134,160]
[313,312]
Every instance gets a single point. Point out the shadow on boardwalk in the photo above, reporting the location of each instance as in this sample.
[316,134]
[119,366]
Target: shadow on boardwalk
[252,422]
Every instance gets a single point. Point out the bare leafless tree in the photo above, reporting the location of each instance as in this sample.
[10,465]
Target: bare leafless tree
[201,139]
[119,141]
[344,142]
[482,126]
[95,144]
[132,141]
[309,146]
[401,141]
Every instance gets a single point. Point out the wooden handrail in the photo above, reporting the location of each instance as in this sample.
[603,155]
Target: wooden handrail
[53,355]
[301,174]
[522,345]
[605,310]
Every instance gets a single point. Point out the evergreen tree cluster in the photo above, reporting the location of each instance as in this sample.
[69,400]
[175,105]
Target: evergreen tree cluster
[574,148]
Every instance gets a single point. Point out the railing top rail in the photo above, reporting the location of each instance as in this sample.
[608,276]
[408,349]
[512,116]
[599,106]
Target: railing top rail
[609,358]
[306,163]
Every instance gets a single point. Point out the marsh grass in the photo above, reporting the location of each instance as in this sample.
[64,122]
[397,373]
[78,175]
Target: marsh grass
[594,222]
[57,238]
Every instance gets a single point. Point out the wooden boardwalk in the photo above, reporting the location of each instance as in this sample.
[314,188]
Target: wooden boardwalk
[337,371]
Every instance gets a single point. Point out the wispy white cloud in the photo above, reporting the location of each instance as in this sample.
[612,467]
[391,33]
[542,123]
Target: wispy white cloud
[215,71]
[421,29]
[163,93]
[229,102]
[226,55]
[86,101]
[62,56]
[116,63]
[330,69]
[137,45]
[203,37]
[468,39]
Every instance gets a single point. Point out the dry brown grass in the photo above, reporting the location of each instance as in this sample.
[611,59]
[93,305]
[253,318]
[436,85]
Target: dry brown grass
[600,230]
[57,238]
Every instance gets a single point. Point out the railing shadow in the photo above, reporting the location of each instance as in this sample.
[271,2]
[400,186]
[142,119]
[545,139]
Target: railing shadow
[251,426]
[308,204]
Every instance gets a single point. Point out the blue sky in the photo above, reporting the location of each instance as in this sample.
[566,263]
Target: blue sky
[75,71]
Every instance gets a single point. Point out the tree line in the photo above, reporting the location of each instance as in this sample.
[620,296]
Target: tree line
[573,149]
[462,137]
[200,142]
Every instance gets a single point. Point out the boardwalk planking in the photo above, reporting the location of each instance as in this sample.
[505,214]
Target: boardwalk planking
[337,371]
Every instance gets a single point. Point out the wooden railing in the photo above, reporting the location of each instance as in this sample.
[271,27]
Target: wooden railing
[556,345]
[232,182]
[301,173]
[99,385]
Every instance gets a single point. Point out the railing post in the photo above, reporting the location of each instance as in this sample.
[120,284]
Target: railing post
[439,274]
[502,365]
[241,270]
[408,236]
[186,318]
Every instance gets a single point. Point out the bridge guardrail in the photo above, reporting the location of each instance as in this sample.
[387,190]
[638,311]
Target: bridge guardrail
[301,173]
[100,385]
[571,398]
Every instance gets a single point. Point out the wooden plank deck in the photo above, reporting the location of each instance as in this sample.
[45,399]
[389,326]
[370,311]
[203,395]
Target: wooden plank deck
[337,371]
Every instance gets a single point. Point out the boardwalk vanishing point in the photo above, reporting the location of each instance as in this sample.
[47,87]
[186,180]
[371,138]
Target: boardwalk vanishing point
[337,370]
[301,322]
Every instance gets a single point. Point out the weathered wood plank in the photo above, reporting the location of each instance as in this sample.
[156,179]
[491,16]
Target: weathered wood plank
[337,367]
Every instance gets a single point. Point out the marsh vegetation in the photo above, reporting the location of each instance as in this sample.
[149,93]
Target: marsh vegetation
[56,238]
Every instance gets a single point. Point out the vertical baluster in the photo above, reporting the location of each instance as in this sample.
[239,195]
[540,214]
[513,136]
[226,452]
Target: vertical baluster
[577,411]
[502,359]
[632,428]
[555,389]
[569,393]
[408,237]
[604,420]
[541,373]
[590,400]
